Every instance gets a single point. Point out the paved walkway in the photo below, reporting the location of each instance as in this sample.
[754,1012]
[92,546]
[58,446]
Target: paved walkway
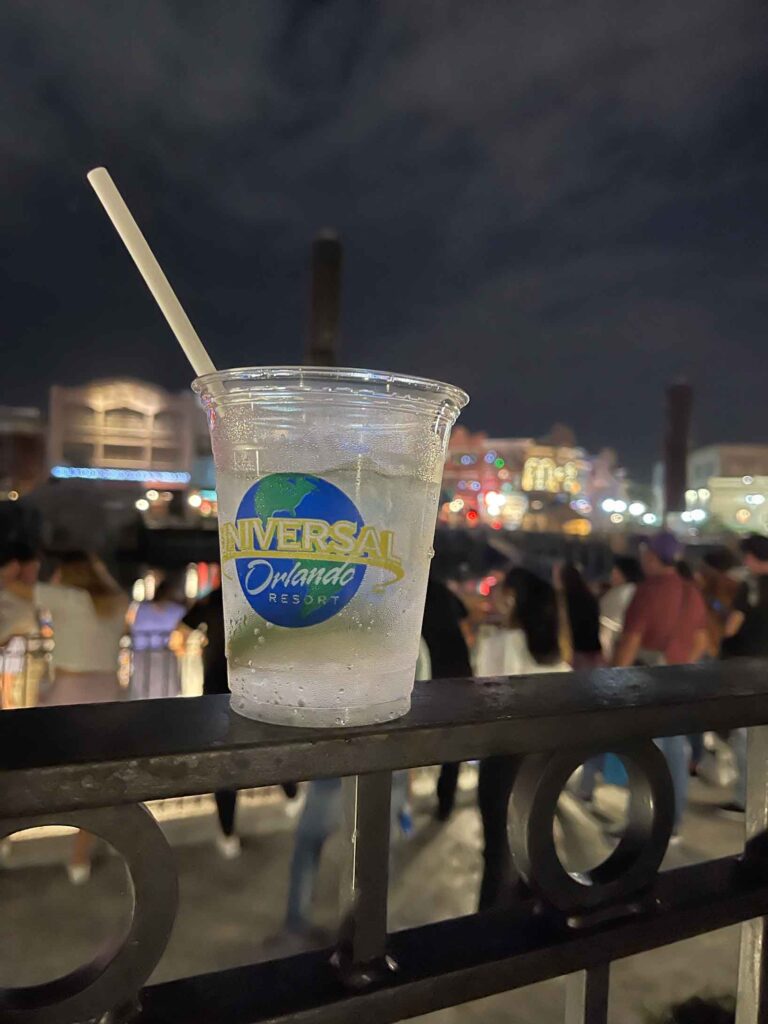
[230,911]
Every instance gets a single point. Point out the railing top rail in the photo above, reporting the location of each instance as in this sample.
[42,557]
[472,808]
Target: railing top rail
[56,759]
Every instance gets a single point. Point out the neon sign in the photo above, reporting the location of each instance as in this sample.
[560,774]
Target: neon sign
[139,476]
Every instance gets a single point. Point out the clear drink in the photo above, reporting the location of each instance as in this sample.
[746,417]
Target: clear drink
[328,483]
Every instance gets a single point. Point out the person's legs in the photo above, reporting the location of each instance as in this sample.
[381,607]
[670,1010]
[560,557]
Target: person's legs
[320,816]
[446,790]
[696,741]
[675,750]
[226,805]
[589,772]
[497,775]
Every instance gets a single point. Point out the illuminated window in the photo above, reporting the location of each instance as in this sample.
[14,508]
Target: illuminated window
[124,419]
[539,474]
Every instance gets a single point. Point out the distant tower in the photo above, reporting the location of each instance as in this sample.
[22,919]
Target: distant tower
[677,428]
[325,301]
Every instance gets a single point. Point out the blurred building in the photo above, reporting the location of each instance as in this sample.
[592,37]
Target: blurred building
[122,430]
[550,485]
[22,451]
[728,461]
[728,488]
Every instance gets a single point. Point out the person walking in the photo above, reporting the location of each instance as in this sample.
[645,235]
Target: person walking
[530,643]
[720,582]
[207,615]
[745,635]
[155,664]
[583,613]
[320,817]
[449,658]
[625,575]
[665,624]
[87,610]
[25,660]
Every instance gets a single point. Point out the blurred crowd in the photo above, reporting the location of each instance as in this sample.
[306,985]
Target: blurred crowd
[656,609]
[69,634]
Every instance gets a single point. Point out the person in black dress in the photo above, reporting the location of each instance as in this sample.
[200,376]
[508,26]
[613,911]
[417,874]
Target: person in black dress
[449,657]
[209,612]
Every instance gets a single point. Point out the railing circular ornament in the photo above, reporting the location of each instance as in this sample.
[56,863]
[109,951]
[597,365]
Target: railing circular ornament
[119,970]
[631,866]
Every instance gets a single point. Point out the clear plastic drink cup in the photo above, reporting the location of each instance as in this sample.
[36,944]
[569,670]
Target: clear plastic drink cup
[328,482]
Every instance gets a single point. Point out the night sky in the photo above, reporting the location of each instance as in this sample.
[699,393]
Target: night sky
[560,206]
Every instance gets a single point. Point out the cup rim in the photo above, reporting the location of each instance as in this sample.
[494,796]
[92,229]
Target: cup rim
[384,379]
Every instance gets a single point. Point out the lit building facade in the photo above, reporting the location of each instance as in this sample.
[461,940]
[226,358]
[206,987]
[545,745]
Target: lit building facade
[520,483]
[122,430]
[728,487]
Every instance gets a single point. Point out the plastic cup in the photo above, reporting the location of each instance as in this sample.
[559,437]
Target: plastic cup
[328,483]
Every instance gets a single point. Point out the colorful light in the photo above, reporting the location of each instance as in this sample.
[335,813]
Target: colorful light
[194,501]
[472,516]
[490,457]
[142,504]
[499,463]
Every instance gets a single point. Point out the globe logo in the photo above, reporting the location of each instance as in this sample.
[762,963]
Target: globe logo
[294,519]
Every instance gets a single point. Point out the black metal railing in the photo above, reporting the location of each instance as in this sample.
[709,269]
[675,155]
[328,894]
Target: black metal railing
[93,766]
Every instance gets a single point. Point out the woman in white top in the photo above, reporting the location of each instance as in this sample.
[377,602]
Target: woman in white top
[87,609]
[531,643]
[625,576]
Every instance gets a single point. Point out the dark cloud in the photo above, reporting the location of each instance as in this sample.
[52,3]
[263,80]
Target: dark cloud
[559,206]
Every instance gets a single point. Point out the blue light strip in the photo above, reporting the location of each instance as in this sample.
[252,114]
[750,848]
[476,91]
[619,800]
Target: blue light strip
[139,476]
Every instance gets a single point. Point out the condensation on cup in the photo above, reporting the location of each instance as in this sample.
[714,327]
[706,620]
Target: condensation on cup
[328,483]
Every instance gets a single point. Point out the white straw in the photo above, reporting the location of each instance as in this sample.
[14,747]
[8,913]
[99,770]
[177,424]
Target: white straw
[150,270]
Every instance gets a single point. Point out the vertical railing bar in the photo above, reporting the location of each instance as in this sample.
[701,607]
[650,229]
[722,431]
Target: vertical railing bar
[586,996]
[362,951]
[752,991]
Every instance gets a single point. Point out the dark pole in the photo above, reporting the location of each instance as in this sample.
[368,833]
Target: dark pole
[325,301]
[677,426]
